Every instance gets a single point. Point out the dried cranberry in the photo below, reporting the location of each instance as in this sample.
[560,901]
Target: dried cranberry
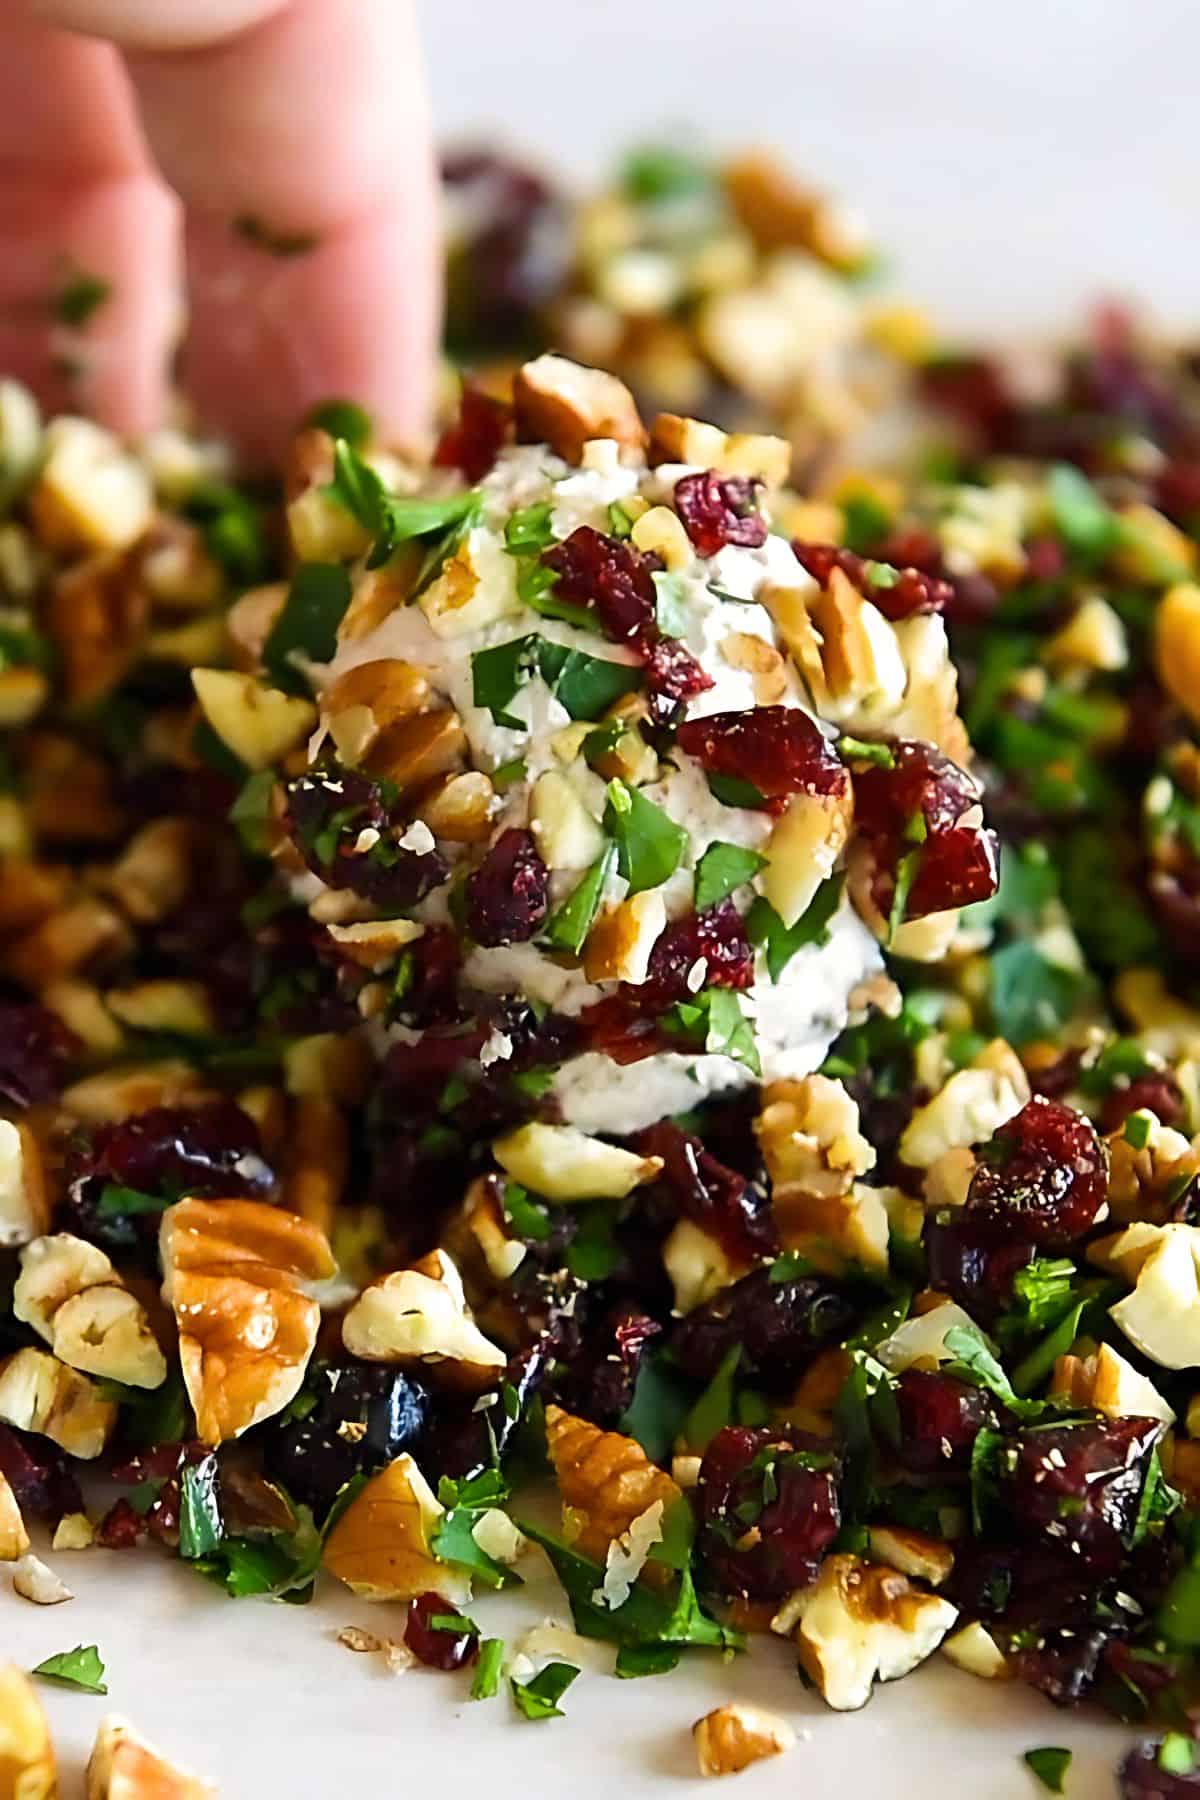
[463,1441]
[898,593]
[702,1189]
[780,1326]
[362,1417]
[769,1510]
[940,1418]
[778,749]
[600,1384]
[508,895]
[974,1261]
[1076,1487]
[720,509]
[121,1527]
[715,938]
[329,809]
[433,1639]
[672,676]
[477,436]
[507,257]
[921,783]
[39,1475]
[1157,1093]
[974,390]
[621,1029]
[1044,1174]
[956,868]
[36,1050]
[1141,1775]
[956,861]
[430,996]
[1177,492]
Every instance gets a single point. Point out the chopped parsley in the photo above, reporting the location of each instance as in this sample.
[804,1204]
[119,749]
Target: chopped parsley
[670,604]
[714,1020]
[485,1683]
[722,870]
[1050,1765]
[308,625]
[538,1698]
[78,1668]
[342,419]
[781,942]
[585,685]
[394,519]
[453,1540]
[569,924]
[649,843]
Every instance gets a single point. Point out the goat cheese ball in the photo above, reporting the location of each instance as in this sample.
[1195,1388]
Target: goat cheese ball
[630,716]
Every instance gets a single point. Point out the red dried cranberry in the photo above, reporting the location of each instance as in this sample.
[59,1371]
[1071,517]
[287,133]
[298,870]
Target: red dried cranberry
[921,782]
[716,937]
[39,1475]
[620,1028]
[1076,1487]
[509,259]
[956,862]
[672,676]
[1045,559]
[769,1510]
[1177,492]
[508,895]
[940,1418]
[780,1326]
[716,1198]
[1141,1775]
[121,1527]
[36,1049]
[974,1260]
[477,436]
[328,810]
[720,509]
[431,994]
[973,389]
[600,1383]
[361,1418]
[955,868]
[778,749]
[432,1638]
[1044,1175]
[898,593]
[1158,1093]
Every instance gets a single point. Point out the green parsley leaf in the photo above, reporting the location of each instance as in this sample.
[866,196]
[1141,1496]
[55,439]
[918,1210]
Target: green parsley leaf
[308,625]
[280,1563]
[538,1699]
[393,518]
[974,1361]
[662,1397]
[342,419]
[658,172]
[485,1683]
[528,532]
[649,842]
[117,1202]
[527,1219]
[714,1409]
[1050,1765]
[233,530]
[789,1265]
[508,773]
[670,603]
[588,685]
[78,1668]
[1104,900]
[906,873]
[200,1526]
[496,674]
[1033,1369]
[881,1323]
[722,870]
[865,521]
[80,297]
[1138,1127]
[568,925]
[767,931]
[1030,996]
[636,1660]
[251,811]
[715,1018]
[620,525]
[852,749]
[593,1253]
[732,790]
[453,1539]
[1044,1291]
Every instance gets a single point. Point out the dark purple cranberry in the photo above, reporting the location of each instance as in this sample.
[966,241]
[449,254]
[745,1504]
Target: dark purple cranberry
[899,593]
[36,1051]
[434,1639]
[974,1261]
[362,1416]
[1165,1768]
[329,809]
[1044,1175]
[461,1441]
[1177,492]
[974,391]
[780,1326]
[39,1475]
[712,1196]
[1076,1487]
[940,1418]
[508,896]
[121,1528]
[1157,1093]
[672,676]
[716,937]
[921,782]
[430,995]
[720,509]
[600,1383]
[769,1510]
[511,257]
[477,436]
[778,749]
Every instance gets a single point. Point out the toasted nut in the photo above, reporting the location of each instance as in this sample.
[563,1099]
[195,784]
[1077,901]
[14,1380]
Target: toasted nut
[69,791]
[90,493]
[20,437]
[419,751]
[861,1621]
[1177,646]
[70,1293]
[321,529]
[123,1766]
[33,1580]
[973,1104]
[39,1393]
[14,1539]
[974,1649]
[194,641]
[460,809]
[116,1094]
[176,569]
[153,874]
[381,1545]
[677,440]
[24,1206]
[23,693]
[29,893]
[184,1007]
[803,847]
[375,943]
[865,676]
[179,463]
[810,1138]
[780,213]
[259,724]
[566,833]
[388,689]
[732,1737]
[327,1066]
[619,944]
[560,1163]
[921,1341]
[477,587]
[1111,1385]
[698,1265]
[660,532]
[606,1481]
[237,1274]
[27,1766]
[566,404]
[98,615]
[752,654]
[420,1315]
[249,621]
[74,1531]
[478,1239]
[16,839]
[1093,638]
[86,935]
[914,1553]
[316,1160]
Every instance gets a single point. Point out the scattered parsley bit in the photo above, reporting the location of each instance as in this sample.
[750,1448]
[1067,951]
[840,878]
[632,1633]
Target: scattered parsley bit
[251,811]
[722,870]
[568,926]
[200,1526]
[486,1681]
[342,419]
[852,749]
[732,790]
[276,243]
[78,1668]
[508,773]
[670,604]
[636,1660]
[649,842]
[1138,1127]
[528,532]
[780,942]
[394,519]
[80,297]
[117,1202]
[538,1699]
[1050,1765]
[453,1540]
[715,1407]
[715,1021]
[308,625]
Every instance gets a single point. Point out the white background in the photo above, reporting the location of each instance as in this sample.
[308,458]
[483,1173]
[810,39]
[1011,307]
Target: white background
[1015,159]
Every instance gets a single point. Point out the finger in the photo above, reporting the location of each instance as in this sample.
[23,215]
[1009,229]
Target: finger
[88,234]
[301,149]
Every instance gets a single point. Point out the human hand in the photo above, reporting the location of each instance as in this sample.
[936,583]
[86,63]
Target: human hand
[282,147]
